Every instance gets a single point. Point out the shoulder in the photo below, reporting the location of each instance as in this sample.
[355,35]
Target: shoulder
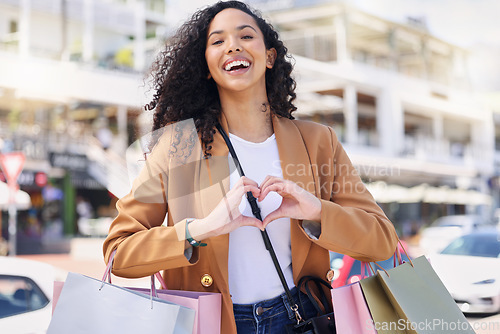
[310,125]
[315,132]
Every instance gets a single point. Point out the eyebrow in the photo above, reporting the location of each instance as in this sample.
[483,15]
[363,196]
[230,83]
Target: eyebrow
[237,28]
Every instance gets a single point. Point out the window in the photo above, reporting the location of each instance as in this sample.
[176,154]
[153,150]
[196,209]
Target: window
[482,245]
[19,295]
[13,26]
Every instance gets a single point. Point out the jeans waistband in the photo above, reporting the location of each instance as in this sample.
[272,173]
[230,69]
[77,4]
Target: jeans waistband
[266,308]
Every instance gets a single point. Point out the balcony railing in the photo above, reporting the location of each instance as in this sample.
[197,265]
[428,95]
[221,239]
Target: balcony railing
[317,46]
[321,45]
[430,149]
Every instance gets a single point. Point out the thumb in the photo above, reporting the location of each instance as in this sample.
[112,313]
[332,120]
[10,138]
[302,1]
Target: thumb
[251,221]
[276,214]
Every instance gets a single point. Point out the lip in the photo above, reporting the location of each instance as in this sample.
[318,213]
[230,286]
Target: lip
[239,71]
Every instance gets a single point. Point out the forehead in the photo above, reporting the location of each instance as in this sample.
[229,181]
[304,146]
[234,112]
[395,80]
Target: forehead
[230,18]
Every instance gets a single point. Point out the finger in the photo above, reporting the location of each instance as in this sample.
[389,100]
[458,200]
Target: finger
[276,214]
[269,180]
[266,179]
[234,197]
[239,189]
[247,181]
[247,185]
[276,187]
[253,189]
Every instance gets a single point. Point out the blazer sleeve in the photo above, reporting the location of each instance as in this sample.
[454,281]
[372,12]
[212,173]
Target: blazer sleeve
[144,244]
[351,221]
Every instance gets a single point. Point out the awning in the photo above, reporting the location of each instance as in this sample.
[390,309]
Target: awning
[22,198]
[389,193]
[84,180]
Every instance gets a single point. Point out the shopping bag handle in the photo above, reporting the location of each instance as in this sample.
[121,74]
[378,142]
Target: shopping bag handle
[397,259]
[370,269]
[378,265]
[107,274]
[398,254]
[365,267]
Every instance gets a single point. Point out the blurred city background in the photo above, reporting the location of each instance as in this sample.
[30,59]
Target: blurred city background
[412,89]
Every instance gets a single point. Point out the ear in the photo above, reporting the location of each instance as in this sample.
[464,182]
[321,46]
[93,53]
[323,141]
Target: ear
[209,76]
[271,57]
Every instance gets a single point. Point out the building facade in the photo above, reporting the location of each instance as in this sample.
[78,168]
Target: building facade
[71,92]
[402,103]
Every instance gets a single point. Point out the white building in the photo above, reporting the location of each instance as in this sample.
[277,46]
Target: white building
[401,101]
[71,91]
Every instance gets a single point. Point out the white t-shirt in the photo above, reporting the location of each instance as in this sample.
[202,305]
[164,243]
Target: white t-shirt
[252,275]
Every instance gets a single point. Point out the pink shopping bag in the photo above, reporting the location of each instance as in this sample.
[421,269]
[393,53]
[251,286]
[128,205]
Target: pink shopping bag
[352,315]
[207,306]
[57,292]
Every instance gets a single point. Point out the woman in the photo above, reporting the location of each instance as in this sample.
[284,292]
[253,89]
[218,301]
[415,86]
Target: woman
[228,65]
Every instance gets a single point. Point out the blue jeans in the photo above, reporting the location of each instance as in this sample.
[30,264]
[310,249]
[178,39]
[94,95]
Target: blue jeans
[270,316]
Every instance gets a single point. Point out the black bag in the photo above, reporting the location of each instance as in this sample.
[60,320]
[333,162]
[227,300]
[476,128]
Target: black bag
[325,322]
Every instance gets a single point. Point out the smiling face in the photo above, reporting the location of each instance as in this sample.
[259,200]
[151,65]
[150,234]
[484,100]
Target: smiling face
[236,54]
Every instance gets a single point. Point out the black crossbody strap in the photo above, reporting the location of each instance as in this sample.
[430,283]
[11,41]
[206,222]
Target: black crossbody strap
[256,212]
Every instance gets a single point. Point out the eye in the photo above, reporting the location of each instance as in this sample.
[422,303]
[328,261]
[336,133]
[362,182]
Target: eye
[247,37]
[217,42]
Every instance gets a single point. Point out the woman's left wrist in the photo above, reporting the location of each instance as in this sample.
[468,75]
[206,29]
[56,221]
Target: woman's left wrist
[191,238]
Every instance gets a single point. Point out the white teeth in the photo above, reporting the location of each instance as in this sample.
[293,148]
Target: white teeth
[236,63]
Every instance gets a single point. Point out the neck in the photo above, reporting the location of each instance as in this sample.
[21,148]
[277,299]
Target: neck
[245,116]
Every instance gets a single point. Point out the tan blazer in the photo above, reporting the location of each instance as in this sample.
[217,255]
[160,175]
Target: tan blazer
[311,155]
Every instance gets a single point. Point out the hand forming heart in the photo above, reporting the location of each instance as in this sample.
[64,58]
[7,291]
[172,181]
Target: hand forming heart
[297,203]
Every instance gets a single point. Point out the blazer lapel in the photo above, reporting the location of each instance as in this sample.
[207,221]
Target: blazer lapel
[296,167]
[217,173]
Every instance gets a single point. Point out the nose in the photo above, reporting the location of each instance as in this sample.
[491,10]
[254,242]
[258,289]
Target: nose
[234,46]
[237,49]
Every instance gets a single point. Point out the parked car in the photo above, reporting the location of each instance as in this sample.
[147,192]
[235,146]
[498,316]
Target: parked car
[25,295]
[347,270]
[469,267]
[445,229]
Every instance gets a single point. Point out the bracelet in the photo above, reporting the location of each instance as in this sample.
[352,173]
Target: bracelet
[190,239]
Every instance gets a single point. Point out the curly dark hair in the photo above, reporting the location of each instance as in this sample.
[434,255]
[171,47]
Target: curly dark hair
[179,76]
